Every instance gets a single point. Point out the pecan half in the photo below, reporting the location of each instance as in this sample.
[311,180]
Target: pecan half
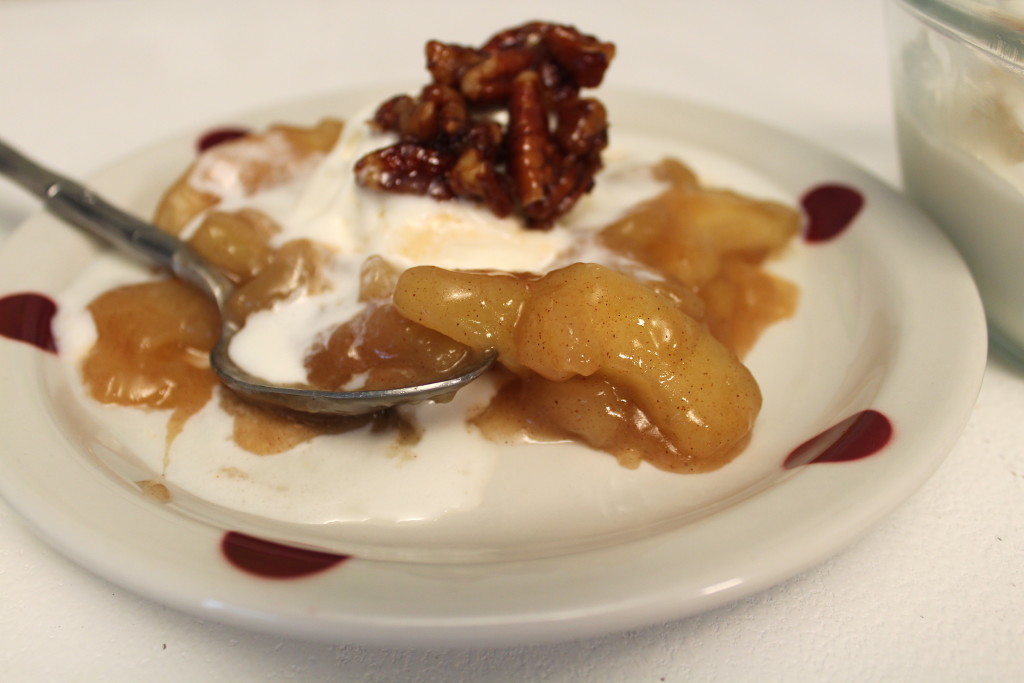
[406,168]
[529,142]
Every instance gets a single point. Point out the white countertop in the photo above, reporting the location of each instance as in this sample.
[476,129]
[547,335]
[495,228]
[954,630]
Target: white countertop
[935,592]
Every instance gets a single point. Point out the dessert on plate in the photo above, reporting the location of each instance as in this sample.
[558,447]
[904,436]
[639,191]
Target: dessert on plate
[490,210]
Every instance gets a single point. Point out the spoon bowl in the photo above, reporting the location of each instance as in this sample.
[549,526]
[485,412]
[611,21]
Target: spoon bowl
[84,209]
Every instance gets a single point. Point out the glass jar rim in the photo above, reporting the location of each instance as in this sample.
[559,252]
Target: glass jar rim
[988,26]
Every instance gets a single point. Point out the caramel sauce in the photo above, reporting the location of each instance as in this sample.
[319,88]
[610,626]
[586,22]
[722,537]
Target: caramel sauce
[152,349]
[743,300]
[154,490]
[263,431]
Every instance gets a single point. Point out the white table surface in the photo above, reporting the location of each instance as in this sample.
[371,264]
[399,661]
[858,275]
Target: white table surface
[934,593]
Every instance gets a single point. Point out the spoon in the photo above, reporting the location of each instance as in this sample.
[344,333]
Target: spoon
[82,208]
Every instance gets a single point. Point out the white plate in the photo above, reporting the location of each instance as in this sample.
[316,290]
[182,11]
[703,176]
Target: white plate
[889,321]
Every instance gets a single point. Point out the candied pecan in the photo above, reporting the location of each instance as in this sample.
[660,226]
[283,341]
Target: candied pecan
[558,83]
[491,79]
[566,59]
[390,114]
[447,63]
[451,114]
[529,34]
[529,141]
[439,110]
[582,126]
[406,168]
[486,136]
[575,178]
[479,173]
[584,57]
[476,178]
[418,122]
[451,145]
[551,173]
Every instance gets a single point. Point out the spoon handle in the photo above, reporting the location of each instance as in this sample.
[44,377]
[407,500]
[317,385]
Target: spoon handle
[83,208]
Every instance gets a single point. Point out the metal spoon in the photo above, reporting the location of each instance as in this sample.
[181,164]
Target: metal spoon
[82,208]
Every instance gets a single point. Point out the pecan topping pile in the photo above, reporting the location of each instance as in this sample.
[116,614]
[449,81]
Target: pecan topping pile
[452,146]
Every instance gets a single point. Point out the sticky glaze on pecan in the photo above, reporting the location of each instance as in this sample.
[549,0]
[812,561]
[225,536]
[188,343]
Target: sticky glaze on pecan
[451,146]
